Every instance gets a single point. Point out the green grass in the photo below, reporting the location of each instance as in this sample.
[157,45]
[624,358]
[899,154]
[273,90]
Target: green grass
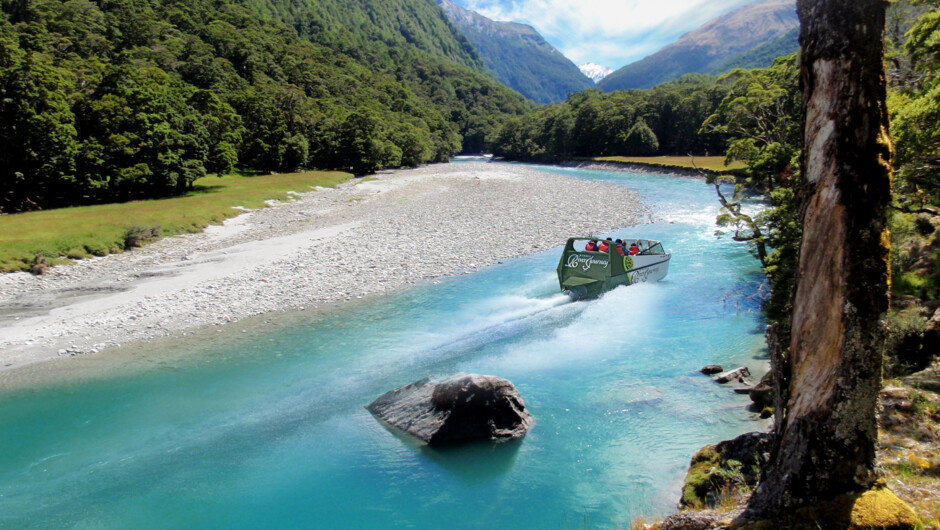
[98,230]
[712,163]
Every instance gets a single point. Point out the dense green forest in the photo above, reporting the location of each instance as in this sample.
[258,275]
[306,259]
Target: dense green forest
[662,120]
[120,99]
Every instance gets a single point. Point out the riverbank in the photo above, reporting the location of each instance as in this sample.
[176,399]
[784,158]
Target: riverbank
[364,238]
[634,167]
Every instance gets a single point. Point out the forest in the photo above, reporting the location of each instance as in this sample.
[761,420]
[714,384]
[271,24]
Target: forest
[121,99]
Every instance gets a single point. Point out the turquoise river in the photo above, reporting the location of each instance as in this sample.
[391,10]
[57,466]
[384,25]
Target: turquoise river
[267,428]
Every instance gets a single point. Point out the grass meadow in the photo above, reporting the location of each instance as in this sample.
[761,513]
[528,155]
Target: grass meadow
[711,163]
[84,231]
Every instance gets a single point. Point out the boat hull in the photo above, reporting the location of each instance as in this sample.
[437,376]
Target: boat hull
[587,274]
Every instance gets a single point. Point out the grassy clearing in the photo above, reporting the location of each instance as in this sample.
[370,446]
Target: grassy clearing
[711,163]
[85,231]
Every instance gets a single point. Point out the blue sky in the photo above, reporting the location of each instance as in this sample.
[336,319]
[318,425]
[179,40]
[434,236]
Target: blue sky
[612,33]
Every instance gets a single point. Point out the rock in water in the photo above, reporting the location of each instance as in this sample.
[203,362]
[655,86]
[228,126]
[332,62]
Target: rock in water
[454,409]
[712,369]
[738,374]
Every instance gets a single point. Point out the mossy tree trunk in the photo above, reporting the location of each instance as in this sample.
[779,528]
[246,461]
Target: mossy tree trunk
[828,381]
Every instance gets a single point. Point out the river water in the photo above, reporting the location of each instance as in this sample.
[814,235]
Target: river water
[268,429]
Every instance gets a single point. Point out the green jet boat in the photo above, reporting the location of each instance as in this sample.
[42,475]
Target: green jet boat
[586,271]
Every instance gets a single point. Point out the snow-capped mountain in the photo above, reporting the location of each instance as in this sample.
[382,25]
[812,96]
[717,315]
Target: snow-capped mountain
[595,71]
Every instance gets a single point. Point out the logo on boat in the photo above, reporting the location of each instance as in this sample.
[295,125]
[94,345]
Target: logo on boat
[627,263]
[643,275]
[585,262]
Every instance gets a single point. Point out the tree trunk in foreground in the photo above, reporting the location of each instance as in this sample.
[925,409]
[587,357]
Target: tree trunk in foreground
[828,382]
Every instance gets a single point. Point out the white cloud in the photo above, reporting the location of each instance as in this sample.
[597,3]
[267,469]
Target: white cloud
[608,32]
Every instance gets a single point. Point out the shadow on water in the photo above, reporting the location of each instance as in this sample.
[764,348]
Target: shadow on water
[473,462]
[464,461]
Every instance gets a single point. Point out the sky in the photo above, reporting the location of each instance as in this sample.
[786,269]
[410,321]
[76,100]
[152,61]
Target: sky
[612,33]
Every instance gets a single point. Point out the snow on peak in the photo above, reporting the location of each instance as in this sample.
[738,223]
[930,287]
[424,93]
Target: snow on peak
[595,71]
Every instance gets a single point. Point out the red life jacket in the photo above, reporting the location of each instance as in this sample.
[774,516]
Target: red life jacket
[620,248]
[634,250]
[604,246]
[591,246]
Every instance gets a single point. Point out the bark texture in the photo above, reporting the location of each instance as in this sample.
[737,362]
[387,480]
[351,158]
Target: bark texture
[828,380]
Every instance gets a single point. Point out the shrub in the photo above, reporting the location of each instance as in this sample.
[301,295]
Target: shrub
[904,351]
[77,253]
[39,266]
[136,236]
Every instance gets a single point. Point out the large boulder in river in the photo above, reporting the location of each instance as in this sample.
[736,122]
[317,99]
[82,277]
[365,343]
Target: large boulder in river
[454,409]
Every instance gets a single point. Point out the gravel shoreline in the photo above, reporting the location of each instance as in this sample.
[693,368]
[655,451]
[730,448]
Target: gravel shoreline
[363,238]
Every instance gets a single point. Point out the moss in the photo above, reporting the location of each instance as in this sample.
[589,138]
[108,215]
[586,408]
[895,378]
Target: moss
[704,473]
[876,508]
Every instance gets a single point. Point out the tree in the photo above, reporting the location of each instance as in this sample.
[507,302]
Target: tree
[640,139]
[915,113]
[827,383]
[37,132]
[761,116]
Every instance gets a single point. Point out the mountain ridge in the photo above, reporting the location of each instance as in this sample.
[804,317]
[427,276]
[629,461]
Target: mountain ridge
[517,55]
[703,49]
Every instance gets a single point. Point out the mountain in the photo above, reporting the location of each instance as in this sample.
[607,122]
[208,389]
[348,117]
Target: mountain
[703,49]
[761,56]
[518,56]
[595,72]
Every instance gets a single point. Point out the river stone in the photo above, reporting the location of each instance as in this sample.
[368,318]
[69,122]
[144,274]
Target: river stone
[712,369]
[456,408]
[738,374]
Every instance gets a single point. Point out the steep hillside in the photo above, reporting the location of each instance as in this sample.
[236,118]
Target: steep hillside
[518,56]
[368,30]
[702,50]
[762,56]
[137,98]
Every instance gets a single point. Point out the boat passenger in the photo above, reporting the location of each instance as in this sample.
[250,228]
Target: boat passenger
[591,246]
[604,246]
[619,246]
[634,250]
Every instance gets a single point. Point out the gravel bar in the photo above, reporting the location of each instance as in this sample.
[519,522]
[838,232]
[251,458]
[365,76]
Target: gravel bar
[363,238]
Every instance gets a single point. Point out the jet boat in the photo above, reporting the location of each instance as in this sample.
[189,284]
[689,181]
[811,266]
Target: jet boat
[591,266]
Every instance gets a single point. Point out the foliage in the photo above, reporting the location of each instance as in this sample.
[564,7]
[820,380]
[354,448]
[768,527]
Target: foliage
[915,111]
[662,120]
[904,351]
[914,105]
[129,99]
[136,235]
[760,114]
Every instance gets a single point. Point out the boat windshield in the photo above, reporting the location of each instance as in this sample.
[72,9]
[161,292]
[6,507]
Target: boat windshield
[655,248]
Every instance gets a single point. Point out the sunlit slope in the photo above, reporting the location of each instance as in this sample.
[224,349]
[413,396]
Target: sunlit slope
[701,50]
[518,56]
